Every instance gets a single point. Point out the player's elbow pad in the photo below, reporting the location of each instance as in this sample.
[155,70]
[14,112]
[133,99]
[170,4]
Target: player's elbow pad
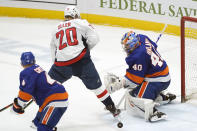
[91,43]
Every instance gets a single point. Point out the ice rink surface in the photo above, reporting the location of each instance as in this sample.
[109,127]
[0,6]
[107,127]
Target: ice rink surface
[85,112]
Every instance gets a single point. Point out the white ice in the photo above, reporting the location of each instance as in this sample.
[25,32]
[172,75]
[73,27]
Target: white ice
[85,112]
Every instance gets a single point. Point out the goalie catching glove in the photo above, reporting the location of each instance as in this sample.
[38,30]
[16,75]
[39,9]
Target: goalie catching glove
[17,108]
[114,83]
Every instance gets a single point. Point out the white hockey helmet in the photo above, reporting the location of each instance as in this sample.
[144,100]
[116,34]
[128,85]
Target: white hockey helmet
[71,11]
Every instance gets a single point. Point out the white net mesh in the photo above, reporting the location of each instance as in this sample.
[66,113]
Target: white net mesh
[191,59]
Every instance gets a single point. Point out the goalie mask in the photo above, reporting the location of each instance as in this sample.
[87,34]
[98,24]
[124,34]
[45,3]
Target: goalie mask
[129,42]
[71,11]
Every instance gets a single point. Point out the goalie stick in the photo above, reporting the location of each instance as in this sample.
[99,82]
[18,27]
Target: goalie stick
[6,107]
[161,33]
[121,100]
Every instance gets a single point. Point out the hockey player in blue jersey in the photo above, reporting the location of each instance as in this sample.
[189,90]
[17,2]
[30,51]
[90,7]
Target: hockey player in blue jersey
[49,95]
[146,78]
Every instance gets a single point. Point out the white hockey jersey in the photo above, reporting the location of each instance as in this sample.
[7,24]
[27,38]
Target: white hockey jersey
[70,40]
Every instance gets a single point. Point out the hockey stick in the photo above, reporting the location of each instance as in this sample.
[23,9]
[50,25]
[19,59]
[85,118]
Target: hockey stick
[12,104]
[161,33]
[120,124]
[121,100]
[6,107]
[28,104]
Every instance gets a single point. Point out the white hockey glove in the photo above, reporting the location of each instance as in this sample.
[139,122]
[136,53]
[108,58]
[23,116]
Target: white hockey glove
[113,83]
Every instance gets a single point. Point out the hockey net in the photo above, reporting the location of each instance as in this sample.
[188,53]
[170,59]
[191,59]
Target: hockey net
[188,58]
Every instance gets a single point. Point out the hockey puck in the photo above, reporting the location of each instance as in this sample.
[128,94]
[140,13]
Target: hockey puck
[120,125]
[54,129]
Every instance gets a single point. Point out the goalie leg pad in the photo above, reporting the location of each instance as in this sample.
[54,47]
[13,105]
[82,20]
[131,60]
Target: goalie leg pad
[139,106]
[144,108]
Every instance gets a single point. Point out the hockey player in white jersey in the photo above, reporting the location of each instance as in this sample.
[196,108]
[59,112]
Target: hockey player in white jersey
[146,78]
[71,43]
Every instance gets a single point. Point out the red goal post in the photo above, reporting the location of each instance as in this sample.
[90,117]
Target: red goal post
[188,57]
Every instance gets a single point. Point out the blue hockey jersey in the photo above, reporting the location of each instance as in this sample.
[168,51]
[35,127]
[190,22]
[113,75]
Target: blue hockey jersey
[36,84]
[146,64]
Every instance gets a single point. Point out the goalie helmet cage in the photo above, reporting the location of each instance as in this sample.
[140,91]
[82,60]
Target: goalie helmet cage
[188,57]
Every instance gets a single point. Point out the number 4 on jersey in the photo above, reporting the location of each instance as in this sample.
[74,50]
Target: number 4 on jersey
[156,60]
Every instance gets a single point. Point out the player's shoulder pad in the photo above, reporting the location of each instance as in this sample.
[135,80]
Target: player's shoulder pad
[139,52]
[142,37]
[31,68]
[26,72]
[81,21]
[84,23]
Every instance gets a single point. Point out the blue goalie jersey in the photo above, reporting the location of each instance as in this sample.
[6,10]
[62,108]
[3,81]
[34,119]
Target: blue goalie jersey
[36,84]
[146,64]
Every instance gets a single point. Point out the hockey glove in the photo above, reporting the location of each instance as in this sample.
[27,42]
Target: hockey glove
[113,83]
[17,108]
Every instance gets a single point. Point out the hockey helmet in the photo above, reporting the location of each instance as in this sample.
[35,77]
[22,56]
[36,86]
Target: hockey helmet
[71,11]
[129,41]
[27,58]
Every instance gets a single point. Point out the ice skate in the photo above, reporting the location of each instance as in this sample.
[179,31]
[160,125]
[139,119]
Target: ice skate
[115,112]
[157,116]
[165,99]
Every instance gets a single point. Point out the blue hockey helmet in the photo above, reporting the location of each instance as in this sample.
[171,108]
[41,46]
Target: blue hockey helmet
[130,41]
[27,58]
